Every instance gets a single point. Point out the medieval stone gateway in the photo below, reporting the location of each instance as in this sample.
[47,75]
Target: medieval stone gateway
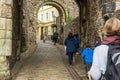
[18,24]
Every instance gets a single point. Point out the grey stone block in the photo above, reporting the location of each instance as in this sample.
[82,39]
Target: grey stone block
[5,23]
[5,34]
[5,47]
[2,59]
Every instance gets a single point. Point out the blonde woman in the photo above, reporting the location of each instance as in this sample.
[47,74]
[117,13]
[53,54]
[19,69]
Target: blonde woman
[112,32]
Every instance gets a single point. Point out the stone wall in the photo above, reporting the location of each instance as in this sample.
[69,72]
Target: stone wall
[90,22]
[91,25]
[72,8]
[16,34]
[29,26]
[68,5]
[5,37]
[73,27]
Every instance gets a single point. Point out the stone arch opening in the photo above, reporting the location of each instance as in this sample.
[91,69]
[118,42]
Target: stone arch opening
[58,6]
[61,11]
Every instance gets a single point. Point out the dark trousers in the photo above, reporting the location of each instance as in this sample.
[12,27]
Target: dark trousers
[70,57]
[88,66]
[55,40]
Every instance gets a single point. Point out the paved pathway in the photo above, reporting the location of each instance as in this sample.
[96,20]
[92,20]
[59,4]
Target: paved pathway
[45,64]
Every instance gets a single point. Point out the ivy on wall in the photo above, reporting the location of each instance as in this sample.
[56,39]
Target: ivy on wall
[69,18]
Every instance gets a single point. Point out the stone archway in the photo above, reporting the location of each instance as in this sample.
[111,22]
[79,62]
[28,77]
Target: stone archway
[58,6]
[60,20]
[61,5]
[31,9]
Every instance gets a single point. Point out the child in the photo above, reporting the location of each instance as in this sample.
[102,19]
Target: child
[87,55]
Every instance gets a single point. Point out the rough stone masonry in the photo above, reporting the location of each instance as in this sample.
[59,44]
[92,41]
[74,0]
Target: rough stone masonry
[5,36]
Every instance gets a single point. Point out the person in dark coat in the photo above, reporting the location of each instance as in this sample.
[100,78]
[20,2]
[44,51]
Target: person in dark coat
[70,47]
[77,41]
[55,37]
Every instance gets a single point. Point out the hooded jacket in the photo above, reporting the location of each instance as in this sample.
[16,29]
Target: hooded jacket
[70,45]
[100,57]
[87,55]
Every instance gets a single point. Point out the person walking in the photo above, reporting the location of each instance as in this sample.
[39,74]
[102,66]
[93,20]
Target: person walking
[70,47]
[55,37]
[98,42]
[44,37]
[100,56]
[87,55]
[77,41]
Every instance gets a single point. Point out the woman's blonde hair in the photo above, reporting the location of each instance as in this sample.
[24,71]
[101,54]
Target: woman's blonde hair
[112,27]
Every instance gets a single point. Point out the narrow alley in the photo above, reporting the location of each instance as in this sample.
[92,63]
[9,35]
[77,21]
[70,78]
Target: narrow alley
[45,64]
[25,24]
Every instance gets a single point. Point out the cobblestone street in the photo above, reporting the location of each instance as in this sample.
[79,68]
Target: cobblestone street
[45,64]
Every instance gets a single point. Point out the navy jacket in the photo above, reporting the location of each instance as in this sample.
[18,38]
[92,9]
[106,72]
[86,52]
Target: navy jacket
[70,45]
[77,41]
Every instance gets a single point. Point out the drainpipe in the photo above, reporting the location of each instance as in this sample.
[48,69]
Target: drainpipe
[5,37]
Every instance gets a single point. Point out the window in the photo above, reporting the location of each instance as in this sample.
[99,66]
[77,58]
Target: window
[52,15]
[46,16]
[41,17]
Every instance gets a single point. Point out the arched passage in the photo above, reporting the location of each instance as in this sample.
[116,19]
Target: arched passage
[58,6]
[61,11]
[31,9]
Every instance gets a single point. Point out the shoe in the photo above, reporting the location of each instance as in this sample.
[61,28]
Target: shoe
[70,66]
[77,52]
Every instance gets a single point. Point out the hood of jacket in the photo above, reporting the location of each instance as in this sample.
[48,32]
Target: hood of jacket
[70,39]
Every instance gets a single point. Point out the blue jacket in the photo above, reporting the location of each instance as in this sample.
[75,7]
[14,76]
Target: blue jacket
[87,55]
[70,45]
[77,41]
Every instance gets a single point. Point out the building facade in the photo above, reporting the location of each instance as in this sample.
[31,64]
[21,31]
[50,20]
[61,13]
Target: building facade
[47,17]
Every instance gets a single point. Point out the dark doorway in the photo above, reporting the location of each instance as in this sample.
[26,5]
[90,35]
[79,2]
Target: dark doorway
[41,33]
